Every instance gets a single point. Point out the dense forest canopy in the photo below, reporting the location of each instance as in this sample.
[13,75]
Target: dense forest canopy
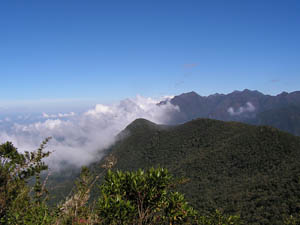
[241,169]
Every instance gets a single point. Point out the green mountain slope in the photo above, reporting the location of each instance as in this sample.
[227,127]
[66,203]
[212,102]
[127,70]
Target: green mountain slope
[238,168]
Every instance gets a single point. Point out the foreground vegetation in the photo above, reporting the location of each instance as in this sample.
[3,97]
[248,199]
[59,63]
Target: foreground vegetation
[140,197]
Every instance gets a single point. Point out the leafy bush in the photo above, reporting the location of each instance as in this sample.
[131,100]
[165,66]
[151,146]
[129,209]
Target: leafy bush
[142,198]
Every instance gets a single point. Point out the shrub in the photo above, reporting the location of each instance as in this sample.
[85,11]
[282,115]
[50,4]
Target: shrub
[142,198]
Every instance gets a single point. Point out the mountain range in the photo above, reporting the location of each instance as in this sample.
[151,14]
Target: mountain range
[281,111]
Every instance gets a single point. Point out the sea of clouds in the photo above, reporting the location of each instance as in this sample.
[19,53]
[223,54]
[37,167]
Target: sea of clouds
[80,138]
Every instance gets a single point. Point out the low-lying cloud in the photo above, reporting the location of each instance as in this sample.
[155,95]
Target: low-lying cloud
[59,115]
[249,107]
[80,139]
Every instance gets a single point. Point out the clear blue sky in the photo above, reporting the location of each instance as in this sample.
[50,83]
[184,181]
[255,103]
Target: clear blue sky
[109,50]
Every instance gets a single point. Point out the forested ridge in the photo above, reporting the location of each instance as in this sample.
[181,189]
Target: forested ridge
[241,169]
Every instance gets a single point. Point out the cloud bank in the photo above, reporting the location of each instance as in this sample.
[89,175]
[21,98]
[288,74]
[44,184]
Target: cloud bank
[249,107]
[80,139]
[59,115]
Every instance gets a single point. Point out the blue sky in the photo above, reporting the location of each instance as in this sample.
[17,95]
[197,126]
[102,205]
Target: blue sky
[109,50]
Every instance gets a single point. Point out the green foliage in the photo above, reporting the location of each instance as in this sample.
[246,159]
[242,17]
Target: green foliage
[218,218]
[142,198]
[126,197]
[292,220]
[240,169]
[15,170]
[25,211]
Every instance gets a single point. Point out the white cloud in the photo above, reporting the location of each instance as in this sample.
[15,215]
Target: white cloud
[249,107]
[79,139]
[99,111]
[168,97]
[59,115]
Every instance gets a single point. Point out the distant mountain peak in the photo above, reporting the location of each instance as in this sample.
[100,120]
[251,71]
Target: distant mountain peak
[140,123]
[284,93]
[190,94]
